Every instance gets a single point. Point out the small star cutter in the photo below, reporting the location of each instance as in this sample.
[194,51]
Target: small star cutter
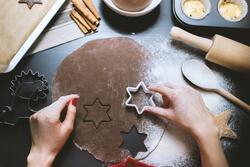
[136,89]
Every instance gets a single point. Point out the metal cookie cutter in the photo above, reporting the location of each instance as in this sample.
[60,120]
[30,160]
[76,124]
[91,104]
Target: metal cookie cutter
[27,89]
[136,89]
[7,116]
[30,86]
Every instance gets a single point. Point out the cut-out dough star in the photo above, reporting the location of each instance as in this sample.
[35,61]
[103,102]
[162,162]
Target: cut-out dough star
[222,121]
[30,3]
[134,141]
[97,113]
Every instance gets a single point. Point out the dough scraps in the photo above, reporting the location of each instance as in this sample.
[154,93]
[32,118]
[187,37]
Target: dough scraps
[103,69]
[222,120]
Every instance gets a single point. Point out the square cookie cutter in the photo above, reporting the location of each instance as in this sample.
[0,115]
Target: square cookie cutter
[136,89]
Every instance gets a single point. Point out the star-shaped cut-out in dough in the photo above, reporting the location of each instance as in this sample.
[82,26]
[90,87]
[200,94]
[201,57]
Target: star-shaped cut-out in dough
[222,120]
[30,3]
[97,113]
[134,141]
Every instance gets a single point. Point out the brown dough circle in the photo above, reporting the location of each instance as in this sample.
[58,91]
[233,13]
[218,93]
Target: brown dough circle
[103,69]
[132,5]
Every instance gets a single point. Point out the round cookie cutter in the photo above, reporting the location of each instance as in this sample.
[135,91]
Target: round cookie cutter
[136,89]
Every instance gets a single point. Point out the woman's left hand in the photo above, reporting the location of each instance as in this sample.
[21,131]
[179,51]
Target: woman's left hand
[48,133]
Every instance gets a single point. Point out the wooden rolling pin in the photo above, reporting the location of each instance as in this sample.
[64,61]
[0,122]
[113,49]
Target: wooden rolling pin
[220,50]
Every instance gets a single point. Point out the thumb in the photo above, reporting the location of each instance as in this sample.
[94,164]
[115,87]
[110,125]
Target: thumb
[160,112]
[68,122]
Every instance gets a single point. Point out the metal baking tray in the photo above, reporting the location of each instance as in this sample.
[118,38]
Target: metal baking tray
[212,20]
[34,35]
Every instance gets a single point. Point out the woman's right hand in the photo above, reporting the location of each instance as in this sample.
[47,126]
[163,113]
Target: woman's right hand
[49,133]
[185,107]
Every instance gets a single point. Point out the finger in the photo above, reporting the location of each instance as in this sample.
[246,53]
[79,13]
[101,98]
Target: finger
[163,90]
[161,112]
[171,85]
[68,122]
[58,106]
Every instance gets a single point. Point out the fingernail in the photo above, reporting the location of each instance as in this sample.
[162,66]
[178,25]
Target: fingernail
[74,102]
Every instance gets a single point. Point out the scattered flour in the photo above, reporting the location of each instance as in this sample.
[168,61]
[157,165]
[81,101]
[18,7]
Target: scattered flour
[175,145]
[177,148]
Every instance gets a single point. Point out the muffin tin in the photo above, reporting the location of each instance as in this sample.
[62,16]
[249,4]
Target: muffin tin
[213,19]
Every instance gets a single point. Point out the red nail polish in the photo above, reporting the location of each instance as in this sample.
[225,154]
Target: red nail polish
[74,102]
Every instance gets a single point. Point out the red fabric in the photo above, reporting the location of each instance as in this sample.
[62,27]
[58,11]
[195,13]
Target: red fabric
[131,162]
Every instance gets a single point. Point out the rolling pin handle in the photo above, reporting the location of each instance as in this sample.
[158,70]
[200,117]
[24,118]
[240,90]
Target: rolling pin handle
[190,39]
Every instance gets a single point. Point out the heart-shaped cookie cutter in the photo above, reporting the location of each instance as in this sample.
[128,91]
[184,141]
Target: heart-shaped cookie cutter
[136,89]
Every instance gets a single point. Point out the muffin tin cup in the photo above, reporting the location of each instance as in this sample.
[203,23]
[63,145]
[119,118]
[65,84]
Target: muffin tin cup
[241,3]
[207,6]
[213,19]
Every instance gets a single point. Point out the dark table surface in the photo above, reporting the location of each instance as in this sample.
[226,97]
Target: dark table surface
[15,141]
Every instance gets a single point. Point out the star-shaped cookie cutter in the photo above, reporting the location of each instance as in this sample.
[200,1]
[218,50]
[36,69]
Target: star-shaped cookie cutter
[136,89]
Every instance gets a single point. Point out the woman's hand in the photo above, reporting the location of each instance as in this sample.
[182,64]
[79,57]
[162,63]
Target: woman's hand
[185,107]
[48,133]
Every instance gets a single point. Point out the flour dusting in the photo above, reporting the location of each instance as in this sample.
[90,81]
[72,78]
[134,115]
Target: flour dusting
[177,148]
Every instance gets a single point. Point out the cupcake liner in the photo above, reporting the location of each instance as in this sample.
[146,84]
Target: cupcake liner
[207,5]
[242,3]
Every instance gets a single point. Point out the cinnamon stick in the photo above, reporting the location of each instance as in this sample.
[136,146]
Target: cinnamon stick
[81,19]
[80,5]
[92,8]
[93,27]
[82,27]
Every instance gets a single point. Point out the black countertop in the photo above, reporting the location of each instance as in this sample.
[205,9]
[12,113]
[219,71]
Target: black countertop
[15,141]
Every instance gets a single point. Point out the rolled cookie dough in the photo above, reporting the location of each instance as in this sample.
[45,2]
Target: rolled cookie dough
[132,5]
[103,69]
